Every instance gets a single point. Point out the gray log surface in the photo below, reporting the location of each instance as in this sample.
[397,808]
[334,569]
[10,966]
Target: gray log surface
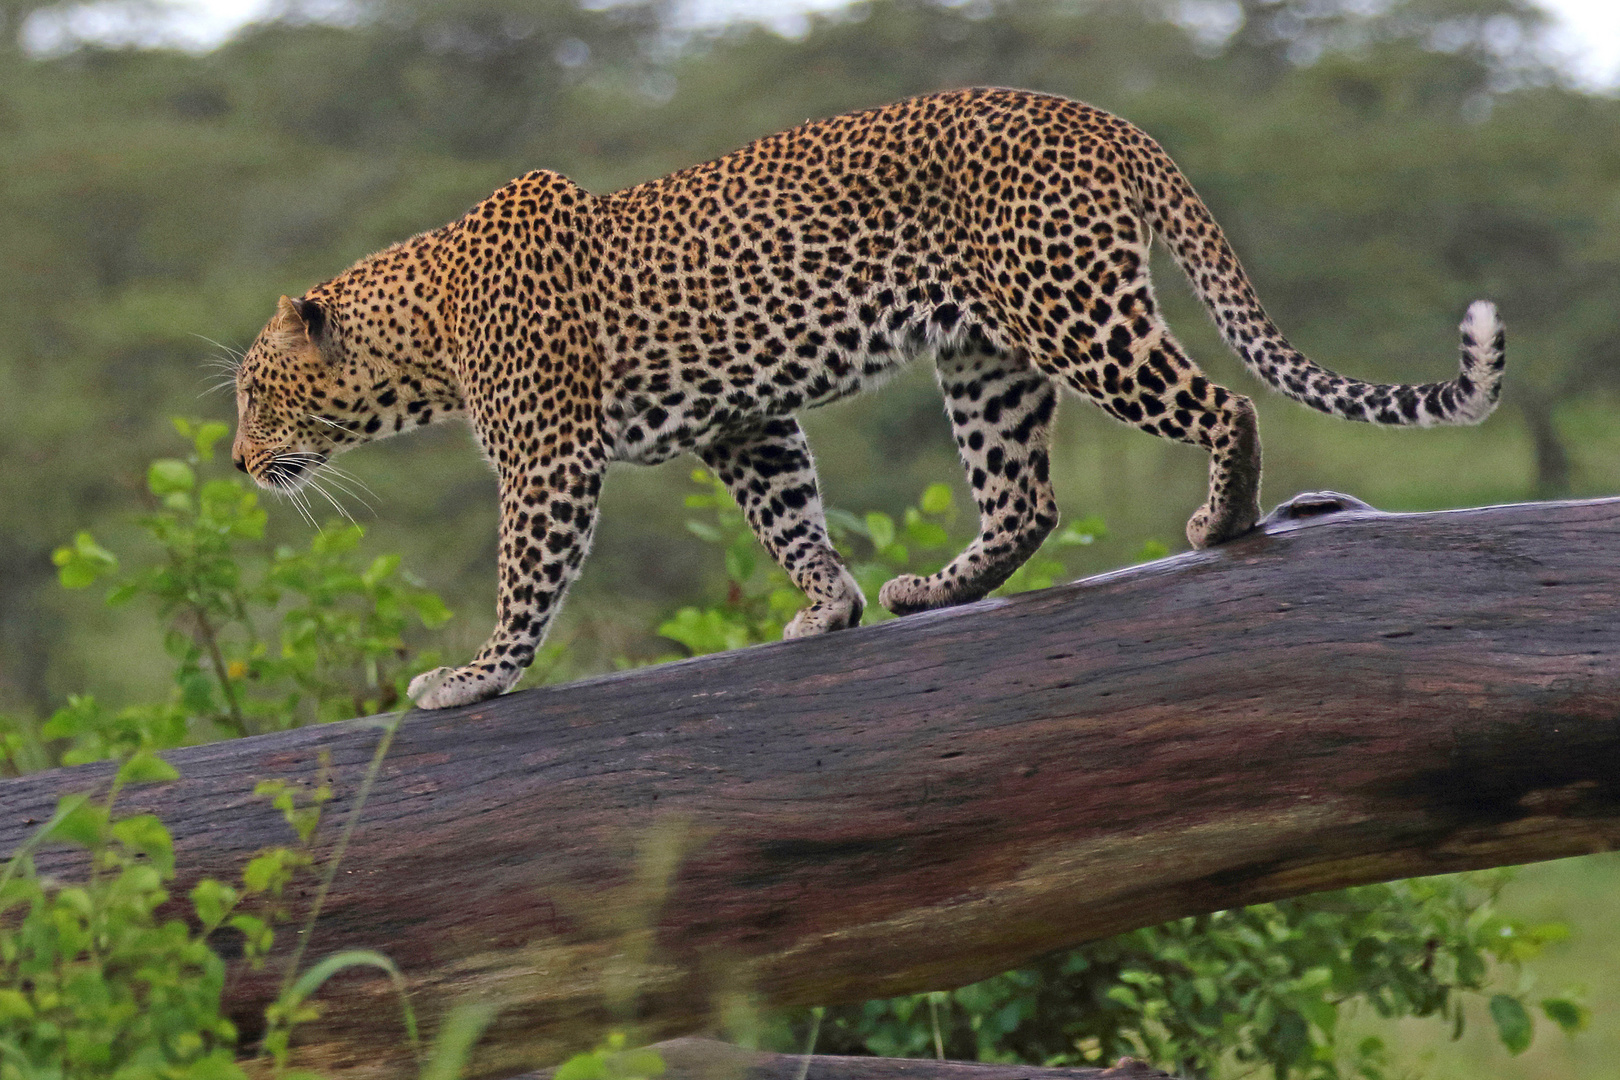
[1333,700]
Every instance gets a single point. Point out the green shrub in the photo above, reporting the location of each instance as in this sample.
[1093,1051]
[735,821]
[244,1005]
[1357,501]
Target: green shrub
[262,638]
[92,984]
[1218,995]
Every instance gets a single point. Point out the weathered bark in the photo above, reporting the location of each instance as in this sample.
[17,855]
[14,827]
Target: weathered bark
[707,1059]
[1347,699]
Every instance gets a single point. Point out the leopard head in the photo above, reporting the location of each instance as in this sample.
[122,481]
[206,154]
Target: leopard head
[317,382]
[282,381]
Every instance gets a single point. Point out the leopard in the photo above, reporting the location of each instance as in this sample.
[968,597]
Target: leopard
[1004,234]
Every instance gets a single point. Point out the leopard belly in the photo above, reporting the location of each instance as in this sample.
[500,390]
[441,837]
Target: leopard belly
[668,401]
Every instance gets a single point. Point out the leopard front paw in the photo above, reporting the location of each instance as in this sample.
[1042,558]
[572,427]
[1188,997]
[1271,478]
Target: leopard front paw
[839,613]
[446,687]
[909,593]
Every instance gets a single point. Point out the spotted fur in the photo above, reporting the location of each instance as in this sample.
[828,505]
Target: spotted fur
[1003,233]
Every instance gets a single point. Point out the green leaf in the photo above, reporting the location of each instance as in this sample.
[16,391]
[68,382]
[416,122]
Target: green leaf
[381,569]
[212,900]
[452,1047]
[880,529]
[206,435]
[1085,531]
[936,499]
[704,531]
[145,834]
[1548,933]
[14,1005]
[1151,550]
[582,1067]
[80,716]
[168,476]
[1569,1015]
[926,534]
[267,871]
[82,563]
[1291,1037]
[706,631]
[1125,996]
[123,594]
[256,934]
[429,608]
[81,822]
[311,980]
[1513,1023]
[216,1067]
[643,1062]
[741,558]
[145,767]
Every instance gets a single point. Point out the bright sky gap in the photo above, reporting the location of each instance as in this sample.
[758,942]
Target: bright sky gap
[1586,34]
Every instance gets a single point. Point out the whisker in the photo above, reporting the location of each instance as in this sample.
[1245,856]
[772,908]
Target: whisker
[311,471]
[236,355]
[348,492]
[295,497]
[352,486]
[315,485]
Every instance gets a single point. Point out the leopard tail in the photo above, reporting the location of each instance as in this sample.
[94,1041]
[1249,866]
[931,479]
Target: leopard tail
[1184,224]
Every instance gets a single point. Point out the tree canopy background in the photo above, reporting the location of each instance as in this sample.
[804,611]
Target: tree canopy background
[1377,165]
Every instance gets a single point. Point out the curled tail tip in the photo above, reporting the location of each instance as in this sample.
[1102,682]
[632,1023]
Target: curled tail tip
[1483,354]
[1482,326]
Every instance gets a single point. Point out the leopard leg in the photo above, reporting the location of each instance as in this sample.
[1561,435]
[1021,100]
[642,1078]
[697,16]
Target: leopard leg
[548,517]
[1165,393]
[768,470]
[1233,440]
[1001,414]
[1137,371]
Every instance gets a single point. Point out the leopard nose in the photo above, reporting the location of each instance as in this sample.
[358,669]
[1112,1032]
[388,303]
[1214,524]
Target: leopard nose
[239,462]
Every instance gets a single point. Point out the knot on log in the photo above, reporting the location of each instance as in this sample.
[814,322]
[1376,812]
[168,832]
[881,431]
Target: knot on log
[1314,504]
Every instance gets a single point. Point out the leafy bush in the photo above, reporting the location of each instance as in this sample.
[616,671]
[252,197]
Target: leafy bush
[93,986]
[263,638]
[91,983]
[1217,995]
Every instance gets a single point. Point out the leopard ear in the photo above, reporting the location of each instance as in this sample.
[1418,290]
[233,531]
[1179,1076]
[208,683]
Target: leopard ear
[301,318]
[313,316]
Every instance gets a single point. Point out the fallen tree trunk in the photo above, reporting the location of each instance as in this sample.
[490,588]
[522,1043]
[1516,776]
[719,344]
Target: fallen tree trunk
[1338,700]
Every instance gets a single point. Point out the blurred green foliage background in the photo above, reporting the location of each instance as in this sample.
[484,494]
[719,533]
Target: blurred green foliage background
[1377,165]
